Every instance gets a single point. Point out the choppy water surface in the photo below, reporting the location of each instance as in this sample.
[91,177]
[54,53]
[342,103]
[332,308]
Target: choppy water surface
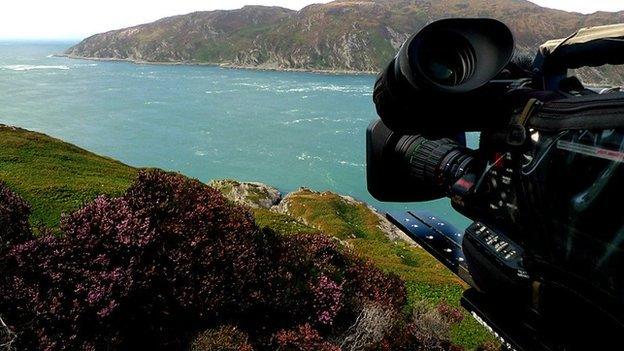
[282,128]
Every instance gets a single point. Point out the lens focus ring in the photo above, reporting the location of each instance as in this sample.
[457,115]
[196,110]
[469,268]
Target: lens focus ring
[424,157]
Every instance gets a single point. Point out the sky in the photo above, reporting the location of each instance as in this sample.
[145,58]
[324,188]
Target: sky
[76,19]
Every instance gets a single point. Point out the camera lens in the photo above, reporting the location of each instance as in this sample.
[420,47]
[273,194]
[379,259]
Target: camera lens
[446,59]
[434,163]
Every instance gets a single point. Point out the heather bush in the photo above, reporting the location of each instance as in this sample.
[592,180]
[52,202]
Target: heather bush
[171,258]
[450,313]
[326,287]
[14,230]
[14,214]
[303,338]
[147,269]
[490,346]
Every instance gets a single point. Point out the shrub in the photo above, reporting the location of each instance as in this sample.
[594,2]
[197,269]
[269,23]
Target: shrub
[451,314]
[7,337]
[148,269]
[372,325]
[373,285]
[171,258]
[304,338]
[490,346]
[14,230]
[326,287]
[431,328]
[14,214]
[327,299]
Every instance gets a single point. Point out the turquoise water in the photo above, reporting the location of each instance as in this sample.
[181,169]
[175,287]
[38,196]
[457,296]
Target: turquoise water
[281,128]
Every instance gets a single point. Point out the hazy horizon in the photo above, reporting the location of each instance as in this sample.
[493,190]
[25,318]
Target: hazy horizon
[71,20]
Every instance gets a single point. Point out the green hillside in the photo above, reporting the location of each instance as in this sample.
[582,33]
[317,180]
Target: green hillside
[56,177]
[357,225]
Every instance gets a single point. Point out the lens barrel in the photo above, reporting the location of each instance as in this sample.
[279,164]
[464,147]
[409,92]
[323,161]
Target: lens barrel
[434,163]
[405,168]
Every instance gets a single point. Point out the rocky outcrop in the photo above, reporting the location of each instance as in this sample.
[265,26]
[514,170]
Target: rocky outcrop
[340,215]
[254,195]
[343,35]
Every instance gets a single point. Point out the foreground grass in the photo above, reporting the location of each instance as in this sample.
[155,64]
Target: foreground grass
[56,177]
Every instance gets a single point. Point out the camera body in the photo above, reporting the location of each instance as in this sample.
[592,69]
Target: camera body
[545,255]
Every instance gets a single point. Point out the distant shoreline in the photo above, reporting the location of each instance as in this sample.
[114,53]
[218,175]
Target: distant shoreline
[222,65]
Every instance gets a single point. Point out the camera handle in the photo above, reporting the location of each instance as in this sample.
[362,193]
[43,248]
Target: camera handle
[594,46]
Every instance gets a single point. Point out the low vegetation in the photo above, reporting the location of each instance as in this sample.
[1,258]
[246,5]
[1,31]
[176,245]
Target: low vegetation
[55,177]
[358,226]
[172,257]
[93,258]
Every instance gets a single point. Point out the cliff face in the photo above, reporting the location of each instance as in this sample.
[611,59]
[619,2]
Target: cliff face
[215,36]
[344,35]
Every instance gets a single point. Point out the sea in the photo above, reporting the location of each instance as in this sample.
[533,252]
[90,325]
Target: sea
[285,129]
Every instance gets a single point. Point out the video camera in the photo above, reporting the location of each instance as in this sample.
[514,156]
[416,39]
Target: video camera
[545,255]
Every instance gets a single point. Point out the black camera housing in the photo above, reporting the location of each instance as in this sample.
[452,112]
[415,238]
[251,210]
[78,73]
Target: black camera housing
[546,245]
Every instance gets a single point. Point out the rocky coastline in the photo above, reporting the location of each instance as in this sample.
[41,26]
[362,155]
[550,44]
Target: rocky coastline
[221,65]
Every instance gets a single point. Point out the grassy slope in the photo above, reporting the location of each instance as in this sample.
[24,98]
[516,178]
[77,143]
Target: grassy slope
[56,177]
[425,277]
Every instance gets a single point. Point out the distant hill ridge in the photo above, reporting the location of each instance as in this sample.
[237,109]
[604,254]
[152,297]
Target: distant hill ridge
[340,36]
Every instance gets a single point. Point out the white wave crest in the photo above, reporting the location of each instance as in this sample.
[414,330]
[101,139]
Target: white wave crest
[261,87]
[352,164]
[287,88]
[321,119]
[306,120]
[305,157]
[34,67]
[324,88]
[217,92]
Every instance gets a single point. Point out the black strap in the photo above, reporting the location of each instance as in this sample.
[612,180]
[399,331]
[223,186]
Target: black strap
[604,111]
